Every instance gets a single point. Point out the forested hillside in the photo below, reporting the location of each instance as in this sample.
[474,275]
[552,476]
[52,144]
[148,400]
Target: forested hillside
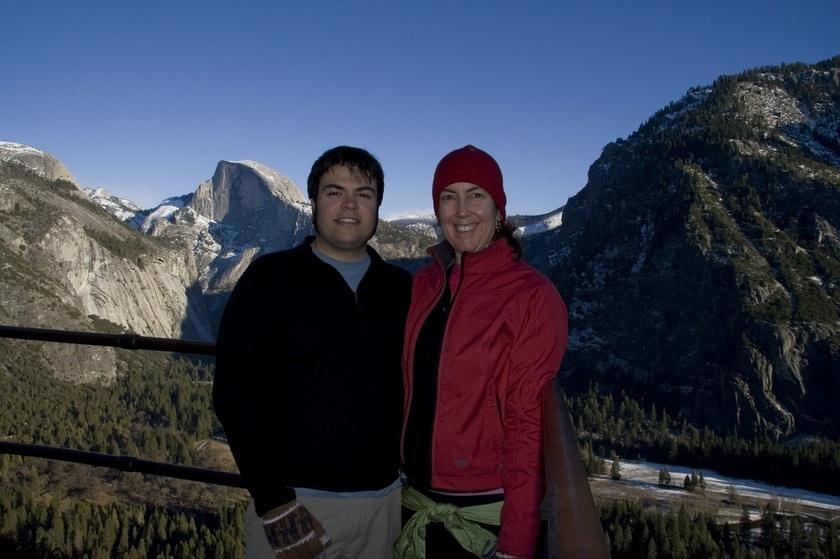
[158,408]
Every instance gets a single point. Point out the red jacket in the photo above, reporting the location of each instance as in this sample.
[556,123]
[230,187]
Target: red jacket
[504,339]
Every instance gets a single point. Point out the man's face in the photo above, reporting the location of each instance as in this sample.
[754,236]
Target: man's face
[346,213]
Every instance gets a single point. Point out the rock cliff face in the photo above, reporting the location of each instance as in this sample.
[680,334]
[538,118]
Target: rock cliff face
[261,206]
[65,262]
[701,262]
[245,206]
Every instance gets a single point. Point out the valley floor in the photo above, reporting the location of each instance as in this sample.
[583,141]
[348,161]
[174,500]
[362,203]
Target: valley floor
[639,482]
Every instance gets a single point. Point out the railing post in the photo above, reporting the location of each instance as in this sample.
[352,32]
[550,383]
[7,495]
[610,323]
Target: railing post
[574,527]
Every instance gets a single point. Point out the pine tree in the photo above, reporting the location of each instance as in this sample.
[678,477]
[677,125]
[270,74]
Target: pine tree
[769,531]
[618,538]
[746,528]
[832,540]
[664,477]
[732,494]
[795,535]
[615,469]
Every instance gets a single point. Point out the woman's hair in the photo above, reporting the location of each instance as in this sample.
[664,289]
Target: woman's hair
[508,232]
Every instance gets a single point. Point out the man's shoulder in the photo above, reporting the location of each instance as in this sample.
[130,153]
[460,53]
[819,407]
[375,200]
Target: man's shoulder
[279,259]
[386,269]
[398,273]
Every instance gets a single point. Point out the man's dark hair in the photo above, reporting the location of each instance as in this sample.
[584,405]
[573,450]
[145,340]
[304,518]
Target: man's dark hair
[355,159]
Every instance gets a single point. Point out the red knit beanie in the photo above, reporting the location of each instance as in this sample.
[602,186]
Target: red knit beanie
[470,164]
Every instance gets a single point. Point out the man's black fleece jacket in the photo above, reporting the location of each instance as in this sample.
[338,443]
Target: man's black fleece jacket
[308,383]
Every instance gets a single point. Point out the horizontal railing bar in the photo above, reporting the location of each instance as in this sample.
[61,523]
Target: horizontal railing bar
[125,341]
[123,463]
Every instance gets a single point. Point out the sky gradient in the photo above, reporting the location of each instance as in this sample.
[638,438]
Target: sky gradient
[144,98]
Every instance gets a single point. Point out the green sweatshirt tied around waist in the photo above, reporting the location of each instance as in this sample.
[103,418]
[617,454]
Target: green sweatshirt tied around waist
[460,522]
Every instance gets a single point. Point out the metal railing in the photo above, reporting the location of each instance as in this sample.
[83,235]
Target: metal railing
[124,341]
[574,525]
[123,463]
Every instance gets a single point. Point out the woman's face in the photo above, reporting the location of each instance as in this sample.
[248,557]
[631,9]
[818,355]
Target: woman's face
[468,216]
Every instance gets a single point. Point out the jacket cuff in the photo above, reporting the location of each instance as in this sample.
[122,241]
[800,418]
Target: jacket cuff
[518,545]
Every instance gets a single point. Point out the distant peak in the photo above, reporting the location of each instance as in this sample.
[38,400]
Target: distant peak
[276,181]
[40,162]
[19,148]
[412,215]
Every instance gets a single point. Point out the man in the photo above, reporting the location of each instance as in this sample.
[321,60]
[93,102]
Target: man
[308,381]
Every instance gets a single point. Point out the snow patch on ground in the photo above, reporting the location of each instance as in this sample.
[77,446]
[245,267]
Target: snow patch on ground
[647,474]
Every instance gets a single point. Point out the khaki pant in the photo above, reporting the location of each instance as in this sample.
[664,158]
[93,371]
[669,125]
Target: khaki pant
[365,527]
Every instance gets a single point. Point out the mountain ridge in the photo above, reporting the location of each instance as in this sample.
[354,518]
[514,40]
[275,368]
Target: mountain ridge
[701,261]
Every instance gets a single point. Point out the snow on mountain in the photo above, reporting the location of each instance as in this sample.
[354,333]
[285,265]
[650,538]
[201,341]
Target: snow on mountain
[164,210]
[529,225]
[121,208]
[41,163]
[10,150]
[420,222]
[411,216]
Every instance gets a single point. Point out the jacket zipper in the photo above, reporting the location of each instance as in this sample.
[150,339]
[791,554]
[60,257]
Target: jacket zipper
[440,357]
[410,362]
[451,306]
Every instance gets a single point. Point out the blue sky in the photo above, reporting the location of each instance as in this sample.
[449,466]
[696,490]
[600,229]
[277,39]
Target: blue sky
[144,98]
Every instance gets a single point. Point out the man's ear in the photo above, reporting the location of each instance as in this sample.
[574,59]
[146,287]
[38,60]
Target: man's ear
[314,214]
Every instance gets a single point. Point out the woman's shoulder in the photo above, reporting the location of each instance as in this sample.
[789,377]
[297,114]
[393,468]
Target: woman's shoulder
[428,272]
[533,277]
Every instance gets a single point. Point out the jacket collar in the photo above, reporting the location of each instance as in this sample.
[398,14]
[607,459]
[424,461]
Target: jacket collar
[495,257]
[306,248]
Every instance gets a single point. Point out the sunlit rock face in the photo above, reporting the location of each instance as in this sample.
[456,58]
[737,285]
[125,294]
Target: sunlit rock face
[65,263]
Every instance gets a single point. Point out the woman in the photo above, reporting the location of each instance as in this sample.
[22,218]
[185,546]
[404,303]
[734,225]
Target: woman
[485,333]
